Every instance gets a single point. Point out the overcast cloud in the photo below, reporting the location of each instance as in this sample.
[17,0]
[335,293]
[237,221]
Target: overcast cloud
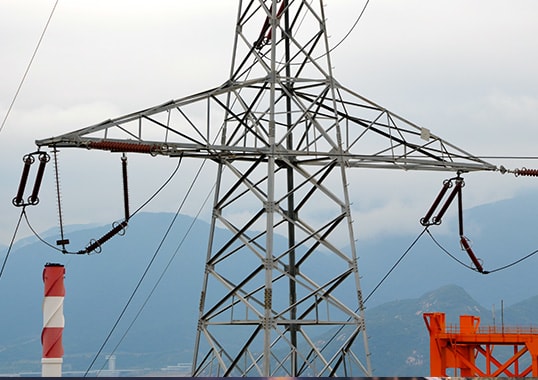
[464,69]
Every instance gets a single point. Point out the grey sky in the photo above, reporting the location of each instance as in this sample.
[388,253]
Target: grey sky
[464,69]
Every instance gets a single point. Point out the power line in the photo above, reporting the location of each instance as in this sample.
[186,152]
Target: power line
[426,229]
[515,262]
[133,214]
[148,267]
[28,67]
[39,236]
[508,157]
[11,243]
[451,255]
[345,36]
[337,333]
[396,264]
[195,219]
[474,269]
[351,29]
[160,188]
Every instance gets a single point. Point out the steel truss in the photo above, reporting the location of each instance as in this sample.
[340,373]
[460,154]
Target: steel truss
[282,132]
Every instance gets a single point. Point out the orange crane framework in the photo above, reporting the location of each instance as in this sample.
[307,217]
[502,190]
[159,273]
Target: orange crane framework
[470,347]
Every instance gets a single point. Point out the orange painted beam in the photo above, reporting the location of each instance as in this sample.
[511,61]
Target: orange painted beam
[458,348]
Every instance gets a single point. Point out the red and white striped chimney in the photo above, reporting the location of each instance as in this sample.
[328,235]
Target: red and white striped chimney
[53,320]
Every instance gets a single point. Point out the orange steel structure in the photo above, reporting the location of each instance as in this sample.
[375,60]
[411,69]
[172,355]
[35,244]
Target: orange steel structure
[461,349]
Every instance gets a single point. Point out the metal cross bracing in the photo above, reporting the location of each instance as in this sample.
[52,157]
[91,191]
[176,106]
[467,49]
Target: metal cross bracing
[282,132]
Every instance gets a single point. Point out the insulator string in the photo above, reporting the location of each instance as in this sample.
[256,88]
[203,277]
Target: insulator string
[65,251]
[28,161]
[43,159]
[524,172]
[125,186]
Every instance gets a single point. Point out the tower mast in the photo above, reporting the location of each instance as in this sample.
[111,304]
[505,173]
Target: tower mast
[282,332]
[282,132]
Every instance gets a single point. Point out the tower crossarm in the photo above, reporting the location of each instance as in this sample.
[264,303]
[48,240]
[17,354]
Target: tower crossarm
[208,125]
[282,132]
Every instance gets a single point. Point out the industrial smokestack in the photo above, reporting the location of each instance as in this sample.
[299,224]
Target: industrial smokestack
[53,320]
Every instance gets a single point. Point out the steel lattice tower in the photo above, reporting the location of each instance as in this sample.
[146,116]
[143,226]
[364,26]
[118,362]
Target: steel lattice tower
[282,132]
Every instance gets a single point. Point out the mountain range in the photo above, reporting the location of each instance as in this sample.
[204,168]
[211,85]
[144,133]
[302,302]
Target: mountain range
[98,286]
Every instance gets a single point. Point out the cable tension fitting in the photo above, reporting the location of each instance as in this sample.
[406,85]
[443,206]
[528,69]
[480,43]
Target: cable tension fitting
[429,219]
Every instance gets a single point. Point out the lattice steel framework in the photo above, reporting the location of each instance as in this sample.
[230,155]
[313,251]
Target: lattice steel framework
[282,132]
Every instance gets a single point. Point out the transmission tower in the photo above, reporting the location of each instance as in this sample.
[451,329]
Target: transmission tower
[282,132]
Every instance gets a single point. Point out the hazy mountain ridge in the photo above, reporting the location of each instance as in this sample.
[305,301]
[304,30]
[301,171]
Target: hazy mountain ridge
[500,234]
[98,285]
[399,340]
[399,335]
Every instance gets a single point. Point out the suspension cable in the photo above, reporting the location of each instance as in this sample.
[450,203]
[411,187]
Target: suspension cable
[142,307]
[474,269]
[428,220]
[41,239]
[515,262]
[28,67]
[150,264]
[172,175]
[259,43]
[349,31]
[451,255]
[337,333]
[396,263]
[159,189]
[11,243]
[508,157]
